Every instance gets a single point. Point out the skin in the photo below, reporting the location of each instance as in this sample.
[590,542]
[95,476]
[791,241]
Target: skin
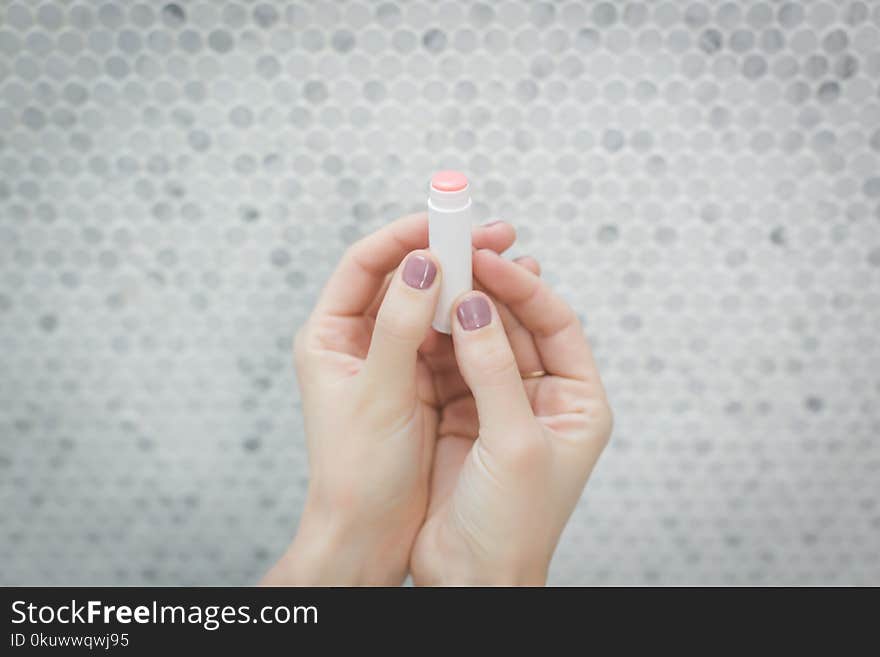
[430,454]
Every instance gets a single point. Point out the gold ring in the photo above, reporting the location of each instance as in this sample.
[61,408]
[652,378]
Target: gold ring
[534,375]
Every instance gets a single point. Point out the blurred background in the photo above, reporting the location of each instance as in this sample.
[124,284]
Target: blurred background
[699,178]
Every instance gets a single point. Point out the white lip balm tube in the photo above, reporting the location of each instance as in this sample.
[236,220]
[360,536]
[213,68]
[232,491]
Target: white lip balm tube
[449,239]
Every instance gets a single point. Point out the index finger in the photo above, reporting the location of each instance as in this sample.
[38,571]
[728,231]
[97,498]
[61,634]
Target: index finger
[559,338]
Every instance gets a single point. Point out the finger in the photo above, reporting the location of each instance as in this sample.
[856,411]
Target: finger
[488,366]
[373,308]
[362,270]
[527,358]
[521,340]
[557,332]
[497,236]
[529,263]
[437,348]
[402,322]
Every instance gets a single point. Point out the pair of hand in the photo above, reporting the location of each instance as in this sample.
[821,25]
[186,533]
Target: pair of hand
[431,454]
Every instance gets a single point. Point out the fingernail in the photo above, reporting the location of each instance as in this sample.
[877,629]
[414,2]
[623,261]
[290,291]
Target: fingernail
[419,272]
[473,313]
[492,223]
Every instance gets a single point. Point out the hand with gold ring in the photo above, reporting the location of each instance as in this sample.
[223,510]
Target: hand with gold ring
[525,418]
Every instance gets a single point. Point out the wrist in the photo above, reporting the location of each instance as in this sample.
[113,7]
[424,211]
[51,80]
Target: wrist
[444,557]
[492,575]
[329,551]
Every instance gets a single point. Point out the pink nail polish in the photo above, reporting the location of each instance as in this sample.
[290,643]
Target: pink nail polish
[473,313]
[419,272]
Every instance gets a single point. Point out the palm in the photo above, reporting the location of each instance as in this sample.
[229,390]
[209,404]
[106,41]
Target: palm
[345,341]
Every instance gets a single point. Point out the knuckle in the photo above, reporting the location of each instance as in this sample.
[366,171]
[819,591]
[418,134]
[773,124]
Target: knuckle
[399,325]
[351,254]
[495,361]
[570,318]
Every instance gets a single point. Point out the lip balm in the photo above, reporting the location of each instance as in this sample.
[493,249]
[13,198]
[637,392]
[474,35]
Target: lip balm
[449,239]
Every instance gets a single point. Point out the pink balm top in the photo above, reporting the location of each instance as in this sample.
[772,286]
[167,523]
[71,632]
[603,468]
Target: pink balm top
[449,181]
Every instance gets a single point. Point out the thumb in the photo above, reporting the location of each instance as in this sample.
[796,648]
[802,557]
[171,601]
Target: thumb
[489,368]
[402,322]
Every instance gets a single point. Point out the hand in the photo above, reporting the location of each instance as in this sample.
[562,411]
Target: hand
[512,454]
[370,408]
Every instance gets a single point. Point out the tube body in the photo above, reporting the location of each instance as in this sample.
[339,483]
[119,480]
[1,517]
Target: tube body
[449,239]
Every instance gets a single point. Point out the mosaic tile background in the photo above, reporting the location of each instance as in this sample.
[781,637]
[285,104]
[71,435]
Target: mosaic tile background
[699,178]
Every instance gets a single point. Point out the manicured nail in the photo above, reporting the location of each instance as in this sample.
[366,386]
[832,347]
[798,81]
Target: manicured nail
[492,223]
[419,272]
[473,313]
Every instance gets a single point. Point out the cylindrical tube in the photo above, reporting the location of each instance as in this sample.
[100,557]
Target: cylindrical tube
[449,238]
